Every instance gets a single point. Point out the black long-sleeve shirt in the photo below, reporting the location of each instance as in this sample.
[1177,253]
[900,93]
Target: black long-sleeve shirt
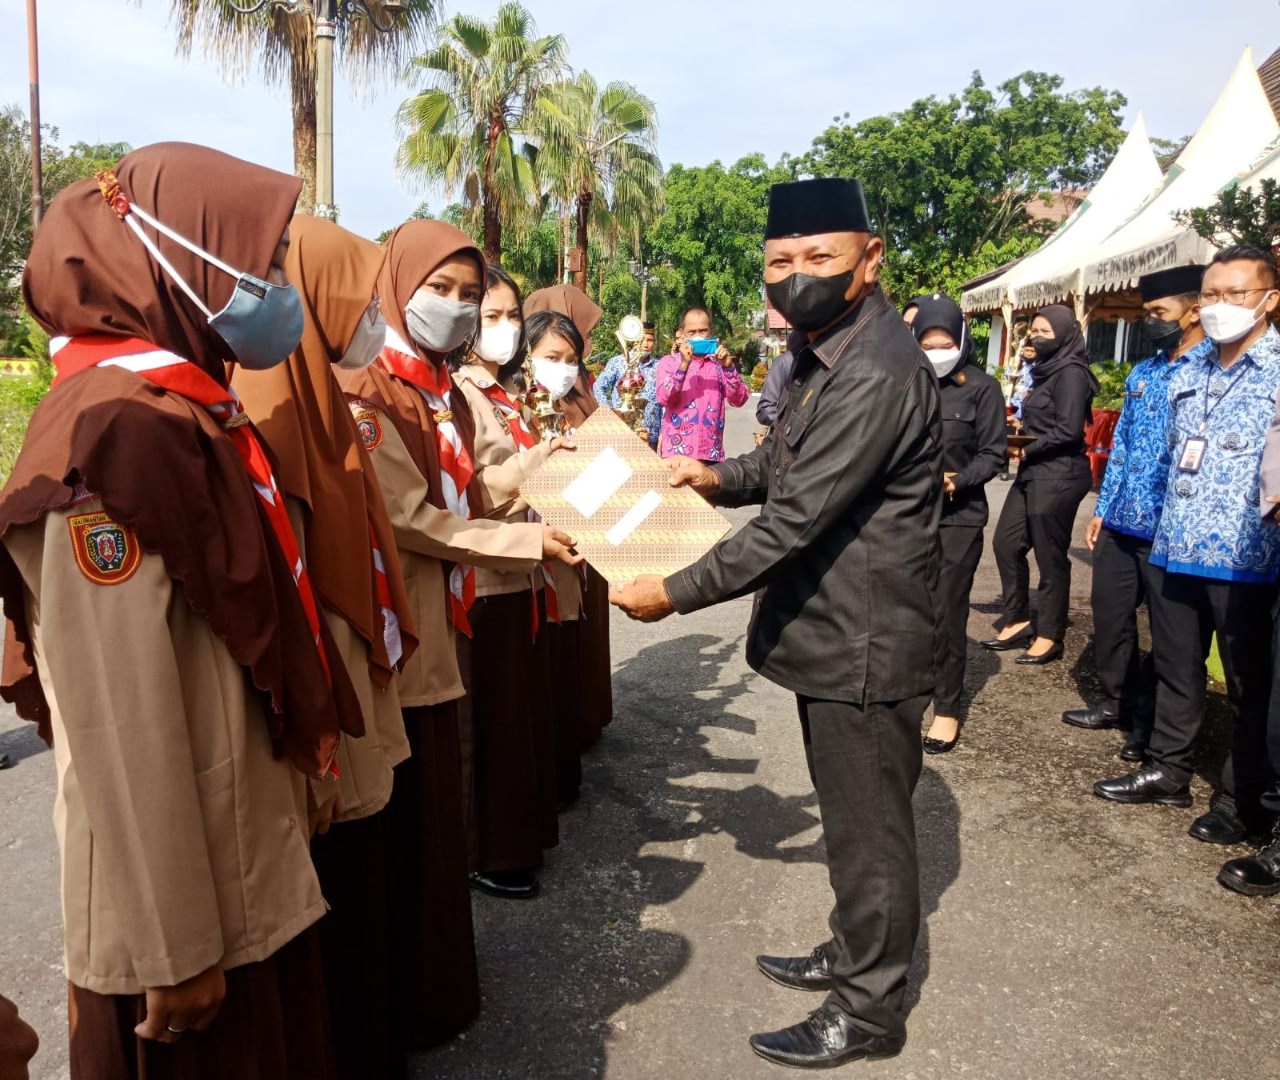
[844,554]
[1056,411]
[973,442]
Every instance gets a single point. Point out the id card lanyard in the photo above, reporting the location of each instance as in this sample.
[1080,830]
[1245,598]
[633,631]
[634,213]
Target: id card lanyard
[1194,446]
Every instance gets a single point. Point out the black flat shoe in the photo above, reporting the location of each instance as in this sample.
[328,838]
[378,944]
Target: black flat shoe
[1257,875]
[825,1039]
[938,746]
[1094,718]
[1054,653]
[507,884]
[1222,824]
[1147,785]
[1135,743]
[812,972]
[1018,641]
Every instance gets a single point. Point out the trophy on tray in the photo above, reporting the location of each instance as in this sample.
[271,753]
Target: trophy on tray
[631,403]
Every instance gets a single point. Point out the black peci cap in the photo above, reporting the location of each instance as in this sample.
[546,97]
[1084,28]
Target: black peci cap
[810,207]
[1173,282]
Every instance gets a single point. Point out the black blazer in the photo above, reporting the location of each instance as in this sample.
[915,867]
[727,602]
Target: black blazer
[1056,411]
[844,554]
[973,442]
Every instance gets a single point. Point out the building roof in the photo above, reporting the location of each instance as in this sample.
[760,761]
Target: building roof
[1269,73]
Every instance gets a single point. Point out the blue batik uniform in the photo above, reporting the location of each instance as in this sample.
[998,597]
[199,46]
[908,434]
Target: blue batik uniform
[606,391]
[1133,486]
[1210,525]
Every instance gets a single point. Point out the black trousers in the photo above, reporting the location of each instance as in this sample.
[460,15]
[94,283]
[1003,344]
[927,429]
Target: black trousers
[961,552]
[1187,612]
[864,762]
[1271,798]
[1128,676]
[1038,516]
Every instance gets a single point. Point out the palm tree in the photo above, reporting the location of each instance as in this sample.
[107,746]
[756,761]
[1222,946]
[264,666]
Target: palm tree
[597,154]
[280,41]
[466,129]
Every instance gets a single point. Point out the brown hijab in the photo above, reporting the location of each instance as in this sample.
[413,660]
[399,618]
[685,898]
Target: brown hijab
[303,414]
[161,465]
[580,402]
[413,251]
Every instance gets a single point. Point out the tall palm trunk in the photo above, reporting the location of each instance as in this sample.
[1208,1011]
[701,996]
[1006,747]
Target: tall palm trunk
[492,219]
[582,212]
[303,86]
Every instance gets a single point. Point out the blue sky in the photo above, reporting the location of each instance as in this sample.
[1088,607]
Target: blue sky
[729,78]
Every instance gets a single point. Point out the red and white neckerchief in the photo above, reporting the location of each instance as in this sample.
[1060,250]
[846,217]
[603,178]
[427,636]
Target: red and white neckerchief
[457,468]
[181,377]
[524,439]
[382,589]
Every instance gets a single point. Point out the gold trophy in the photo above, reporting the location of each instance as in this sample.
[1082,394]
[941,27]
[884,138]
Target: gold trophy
[551,421]
[631,406]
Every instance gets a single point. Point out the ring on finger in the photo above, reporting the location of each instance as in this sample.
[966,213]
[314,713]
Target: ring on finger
[175,1031]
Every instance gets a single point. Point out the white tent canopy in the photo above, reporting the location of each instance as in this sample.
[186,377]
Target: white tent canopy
[1237,130]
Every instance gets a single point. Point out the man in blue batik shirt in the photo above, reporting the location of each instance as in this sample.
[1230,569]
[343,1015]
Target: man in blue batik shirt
[1214,561]
[606,387]
[1128,510]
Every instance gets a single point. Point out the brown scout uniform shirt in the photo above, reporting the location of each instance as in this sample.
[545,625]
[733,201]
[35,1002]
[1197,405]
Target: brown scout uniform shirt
[183,841]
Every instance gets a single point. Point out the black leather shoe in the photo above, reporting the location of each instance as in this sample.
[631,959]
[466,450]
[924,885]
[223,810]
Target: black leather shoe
[1135,745]
[1054,653]
[812,972]
[939,746]
[1148,785]
[1018,641]
[825,1039]
[507,884]
[1222,824]
[1093,718]
[1258,875]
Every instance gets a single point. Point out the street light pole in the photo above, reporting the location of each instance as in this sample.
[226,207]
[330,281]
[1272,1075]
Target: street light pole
[37,164]
[326,16]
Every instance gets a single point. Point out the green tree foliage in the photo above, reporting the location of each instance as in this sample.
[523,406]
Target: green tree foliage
[710,236]
[1240,216]
[466,129]
[949,180]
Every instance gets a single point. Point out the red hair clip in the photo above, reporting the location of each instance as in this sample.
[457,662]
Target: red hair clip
[109,185]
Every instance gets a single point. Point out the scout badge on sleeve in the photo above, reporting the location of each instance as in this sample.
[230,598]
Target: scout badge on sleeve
[367,423]
[106,552]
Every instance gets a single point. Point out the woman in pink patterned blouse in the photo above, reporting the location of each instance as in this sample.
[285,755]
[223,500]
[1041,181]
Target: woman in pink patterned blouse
[692,391]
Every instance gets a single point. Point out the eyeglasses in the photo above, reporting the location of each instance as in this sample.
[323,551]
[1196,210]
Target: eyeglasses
[1238,297]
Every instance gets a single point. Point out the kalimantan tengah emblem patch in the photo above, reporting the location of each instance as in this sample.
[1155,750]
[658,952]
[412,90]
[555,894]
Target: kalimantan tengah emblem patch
[367,423]
[106,551]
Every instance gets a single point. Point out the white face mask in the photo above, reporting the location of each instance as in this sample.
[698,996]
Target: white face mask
[944,361]
[556,378]
[1226,323]
[498,343]
[366,343]
[438,323]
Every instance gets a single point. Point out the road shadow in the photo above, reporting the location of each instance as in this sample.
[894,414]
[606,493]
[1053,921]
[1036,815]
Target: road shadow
[21,743]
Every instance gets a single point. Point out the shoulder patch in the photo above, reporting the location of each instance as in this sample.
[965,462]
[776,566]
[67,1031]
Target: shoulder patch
[106,552]
[368,422]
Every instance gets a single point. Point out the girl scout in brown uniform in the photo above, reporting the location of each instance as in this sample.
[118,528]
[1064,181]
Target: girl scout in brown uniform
[350,552]
[419,433]
[506,667]
[163,632]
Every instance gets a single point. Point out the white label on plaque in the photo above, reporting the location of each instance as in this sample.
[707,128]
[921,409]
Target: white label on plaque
[634,518]
[598,482]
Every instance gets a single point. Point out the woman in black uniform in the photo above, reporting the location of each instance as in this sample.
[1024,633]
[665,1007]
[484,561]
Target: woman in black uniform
[1052,480]
[973,450]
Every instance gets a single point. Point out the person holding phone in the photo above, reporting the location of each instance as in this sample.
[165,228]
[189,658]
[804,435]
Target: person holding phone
[694,383]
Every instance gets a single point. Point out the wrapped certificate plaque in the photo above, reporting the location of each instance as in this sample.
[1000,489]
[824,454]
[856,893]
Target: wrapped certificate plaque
[613,497]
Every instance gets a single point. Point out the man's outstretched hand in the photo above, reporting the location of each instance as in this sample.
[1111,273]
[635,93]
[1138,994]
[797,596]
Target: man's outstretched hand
[644,600]
[689,472]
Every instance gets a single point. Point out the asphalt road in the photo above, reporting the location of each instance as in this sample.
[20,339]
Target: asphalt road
[1064,937]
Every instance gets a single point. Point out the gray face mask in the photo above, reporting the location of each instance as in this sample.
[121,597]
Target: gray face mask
[438,323]
[262,322]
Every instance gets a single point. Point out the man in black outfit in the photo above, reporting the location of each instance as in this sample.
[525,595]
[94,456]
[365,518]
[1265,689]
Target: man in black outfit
[843,560]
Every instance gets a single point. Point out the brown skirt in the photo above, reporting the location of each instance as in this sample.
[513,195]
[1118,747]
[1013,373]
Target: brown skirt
[437,988]
[273,1025]
[507,734]
[595,670]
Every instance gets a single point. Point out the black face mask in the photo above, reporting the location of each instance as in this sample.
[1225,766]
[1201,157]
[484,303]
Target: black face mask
[1165,334]
[809,303]
[1045,347]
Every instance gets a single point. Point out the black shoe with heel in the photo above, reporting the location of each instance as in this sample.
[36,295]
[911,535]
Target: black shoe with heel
[1019,640]
[1054,653]
[940,746]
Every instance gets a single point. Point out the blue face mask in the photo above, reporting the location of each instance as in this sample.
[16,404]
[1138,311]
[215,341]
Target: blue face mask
[261,323]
